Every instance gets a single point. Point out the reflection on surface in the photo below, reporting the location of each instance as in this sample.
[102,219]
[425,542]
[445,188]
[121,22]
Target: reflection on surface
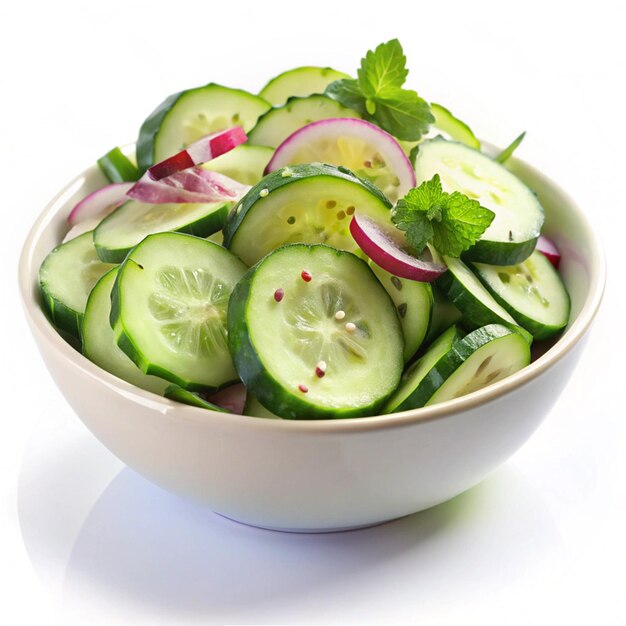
[138,549]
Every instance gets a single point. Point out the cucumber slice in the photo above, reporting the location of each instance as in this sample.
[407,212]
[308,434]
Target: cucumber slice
[339,332]
[531,291]
[188,115]
[99,339]
[413,301]
[512,235]
[117,167]
[301,203]
[453,126]
[507,153]
[482,358]
[254,408]
[169,305]
[469,295]
[300,81]
[177,393]
[278,123]
[66,277]
[414,391]
[130,223]
[444,314]
[245,163]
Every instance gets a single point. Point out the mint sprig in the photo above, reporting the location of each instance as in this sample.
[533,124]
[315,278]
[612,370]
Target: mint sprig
[378,93]
[451,222]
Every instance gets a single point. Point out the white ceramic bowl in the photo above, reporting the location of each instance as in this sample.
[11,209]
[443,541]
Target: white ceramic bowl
[320,475]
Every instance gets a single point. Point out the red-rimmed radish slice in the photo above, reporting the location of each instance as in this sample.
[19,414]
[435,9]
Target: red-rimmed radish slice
[548,248]
[362,147]
[232,398]
[99,203]
[385,246]
[191,185]
[200,151]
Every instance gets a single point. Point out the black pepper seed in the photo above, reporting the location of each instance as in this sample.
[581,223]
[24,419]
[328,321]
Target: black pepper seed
[291,220]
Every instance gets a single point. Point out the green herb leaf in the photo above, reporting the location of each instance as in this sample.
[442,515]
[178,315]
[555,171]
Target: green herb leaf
[383,68]
[452,222]
[378,95]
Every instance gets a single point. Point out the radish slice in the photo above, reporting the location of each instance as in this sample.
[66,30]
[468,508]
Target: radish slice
[191,185]
[200,151]
[368,151]
[548,248]
[386,248]
[232,398]
[98,204]
[81,228]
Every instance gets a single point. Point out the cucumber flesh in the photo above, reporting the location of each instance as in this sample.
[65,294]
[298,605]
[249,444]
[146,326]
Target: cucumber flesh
[130,223]
[99,339]
[169,307]
[301,204]
[482,358]
[300,81]
[413,392]
[469,295]
[337,319]
[188,115]
[66,277]
[531,291]
[413,301]
[512,235]
[280,122]
[444,314]
[245,163]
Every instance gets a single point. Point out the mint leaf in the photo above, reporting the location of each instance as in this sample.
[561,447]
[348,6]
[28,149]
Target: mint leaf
[383,68]
[452,222]
[347,92]
[402,113]
[378,95]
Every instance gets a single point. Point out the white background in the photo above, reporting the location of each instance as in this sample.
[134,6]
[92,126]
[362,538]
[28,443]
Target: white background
[84,540]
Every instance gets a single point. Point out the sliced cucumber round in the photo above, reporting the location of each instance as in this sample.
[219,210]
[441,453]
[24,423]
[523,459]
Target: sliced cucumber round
[512,235]
[188,115]
[99,339]
[280,122]
[300,81]
[481,358]
[414,302]
[443,315]
[245,163]
[254,408]
[169,306]
[130,223]
[177,393]
[531,291]
[469,295]
[453,126]
[340,337]
[66,278]
[301,204]
[413,391]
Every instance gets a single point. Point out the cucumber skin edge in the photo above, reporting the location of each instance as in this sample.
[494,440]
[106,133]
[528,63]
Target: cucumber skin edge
[537,330]
[500,252]
[474,313]
[275,181]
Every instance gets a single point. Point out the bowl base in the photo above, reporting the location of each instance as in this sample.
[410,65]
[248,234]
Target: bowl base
[305,531]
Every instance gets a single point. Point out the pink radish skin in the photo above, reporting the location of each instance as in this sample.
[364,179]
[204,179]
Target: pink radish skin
[332,128]
[98,204]
[548,248]
[232,398]
[191,185]
[385,248]
[200,151]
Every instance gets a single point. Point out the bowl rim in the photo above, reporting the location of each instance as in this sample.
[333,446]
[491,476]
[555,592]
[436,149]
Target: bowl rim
[38,321]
